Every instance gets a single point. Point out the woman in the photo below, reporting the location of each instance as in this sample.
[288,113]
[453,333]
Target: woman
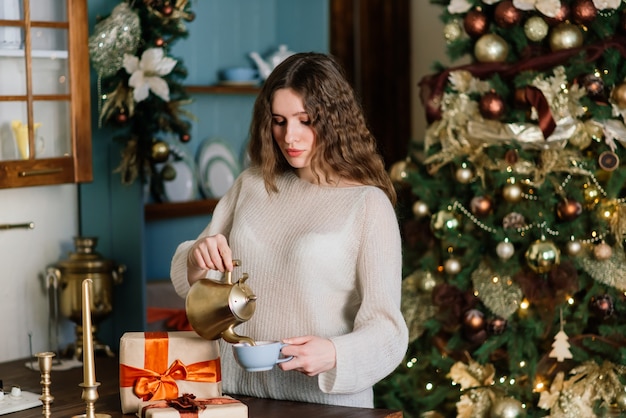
[313,224]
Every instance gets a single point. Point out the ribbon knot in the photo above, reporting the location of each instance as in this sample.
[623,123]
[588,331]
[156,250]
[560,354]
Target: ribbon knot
[161,386]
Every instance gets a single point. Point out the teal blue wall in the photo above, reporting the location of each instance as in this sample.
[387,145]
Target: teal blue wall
[221,36]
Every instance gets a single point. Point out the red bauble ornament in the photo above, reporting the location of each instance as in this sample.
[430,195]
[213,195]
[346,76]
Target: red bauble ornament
[561,16]
[491,106]
[121,117]
[167,9]
[507,15]
[475,23]
[185,138]
[511,157]
[569,209]
[584,12]
[159,42]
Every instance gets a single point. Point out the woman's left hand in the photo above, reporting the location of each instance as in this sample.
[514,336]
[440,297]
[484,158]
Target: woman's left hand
[311,355]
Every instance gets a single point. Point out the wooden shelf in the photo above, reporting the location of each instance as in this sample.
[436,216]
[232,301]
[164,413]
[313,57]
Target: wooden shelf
[157,211]
[223,89]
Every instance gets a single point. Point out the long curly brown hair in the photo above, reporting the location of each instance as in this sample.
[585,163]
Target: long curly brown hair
[344,145]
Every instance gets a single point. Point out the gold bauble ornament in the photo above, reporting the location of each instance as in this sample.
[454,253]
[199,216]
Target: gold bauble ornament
[542,256]
[160,151]
[442,222]
[594,129]
[420,209]
[423,280]
[452,31]
[591,195]
[619,95]
[536,29]
[620,400]
[491,48]
[168,173]
[400,171]
[565,36]
[507,408]
[512,192]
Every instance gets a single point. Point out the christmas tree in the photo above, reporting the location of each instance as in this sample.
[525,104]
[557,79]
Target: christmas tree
[515,204]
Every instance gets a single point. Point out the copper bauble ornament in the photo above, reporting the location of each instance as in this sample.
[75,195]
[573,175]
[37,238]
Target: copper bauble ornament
[561,15]
[506,15]
[475,23]
[497,325]
[583,12]
[464,174]
[121,117]
[594,85]
[568,209]
[536,29]
[491,48]
[573,247]
[159,42]
[507,408]
[481,206]
[452,266]
[542,255]
[491,106]
[619,95]
[565,36]
[185,138]
[602,305]
[420,209]
[602,251]
[505,250]
[160,151]
[474,320]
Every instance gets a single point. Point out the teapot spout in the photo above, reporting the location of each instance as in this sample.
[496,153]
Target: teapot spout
[229,335]
[263,67]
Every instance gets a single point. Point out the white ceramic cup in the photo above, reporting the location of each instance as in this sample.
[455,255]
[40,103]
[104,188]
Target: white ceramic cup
[260,357]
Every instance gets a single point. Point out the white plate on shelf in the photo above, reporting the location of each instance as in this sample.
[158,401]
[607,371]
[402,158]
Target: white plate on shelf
[218,177]
[184,186]
[210,149]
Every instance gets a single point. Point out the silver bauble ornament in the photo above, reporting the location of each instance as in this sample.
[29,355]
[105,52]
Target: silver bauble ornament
[491,48]
[602,251]
[420,209]
[573,247]
[536,28]
[464,174]
[507,408]
[565,36]
[113,37]
[620,400]
[452,31]
[505,250]
[452,266]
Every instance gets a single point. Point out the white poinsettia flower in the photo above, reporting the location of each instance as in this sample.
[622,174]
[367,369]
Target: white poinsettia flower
[145,75]
[606,4]
[459,6]
[548,8]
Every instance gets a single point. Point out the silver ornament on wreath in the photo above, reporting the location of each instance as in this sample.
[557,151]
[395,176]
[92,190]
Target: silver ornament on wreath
[113,37]
[507,408]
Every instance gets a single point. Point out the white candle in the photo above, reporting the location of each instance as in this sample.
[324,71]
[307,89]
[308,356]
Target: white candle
[89,374]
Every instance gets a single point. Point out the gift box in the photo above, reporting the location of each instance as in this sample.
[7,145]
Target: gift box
[157,366]
[188,406]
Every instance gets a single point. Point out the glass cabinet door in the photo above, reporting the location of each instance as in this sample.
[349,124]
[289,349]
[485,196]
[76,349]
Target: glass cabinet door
[44,111]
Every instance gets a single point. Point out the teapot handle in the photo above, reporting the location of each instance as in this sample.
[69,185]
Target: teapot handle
[228,274]
[229,335]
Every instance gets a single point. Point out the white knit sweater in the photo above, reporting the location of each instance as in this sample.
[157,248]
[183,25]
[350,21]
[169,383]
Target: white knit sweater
[322,261]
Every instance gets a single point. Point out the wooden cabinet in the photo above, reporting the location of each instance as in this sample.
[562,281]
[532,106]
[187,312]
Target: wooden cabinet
[45,117]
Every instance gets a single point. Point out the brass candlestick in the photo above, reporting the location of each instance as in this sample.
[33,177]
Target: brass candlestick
[45,365]
[89,385]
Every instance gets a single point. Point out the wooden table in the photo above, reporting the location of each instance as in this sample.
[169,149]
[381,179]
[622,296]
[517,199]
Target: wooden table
[68,402]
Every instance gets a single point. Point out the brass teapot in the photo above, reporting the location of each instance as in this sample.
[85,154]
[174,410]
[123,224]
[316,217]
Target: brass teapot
[215,308]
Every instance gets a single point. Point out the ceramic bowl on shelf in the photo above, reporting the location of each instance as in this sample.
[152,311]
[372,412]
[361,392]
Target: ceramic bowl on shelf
[239,74]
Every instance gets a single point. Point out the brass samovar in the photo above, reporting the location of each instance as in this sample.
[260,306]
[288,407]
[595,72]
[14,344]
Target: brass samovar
[67,277]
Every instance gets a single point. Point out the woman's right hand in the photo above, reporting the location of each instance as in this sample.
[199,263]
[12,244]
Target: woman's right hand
[209,253]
